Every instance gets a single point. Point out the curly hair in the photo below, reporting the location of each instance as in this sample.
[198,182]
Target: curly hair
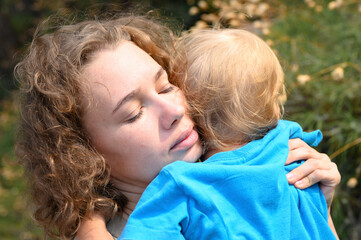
[68,178]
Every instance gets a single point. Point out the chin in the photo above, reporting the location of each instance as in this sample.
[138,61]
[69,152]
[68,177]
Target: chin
[193,154]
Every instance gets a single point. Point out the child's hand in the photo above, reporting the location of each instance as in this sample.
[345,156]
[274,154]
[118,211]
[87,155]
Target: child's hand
[317,168]
[93,228]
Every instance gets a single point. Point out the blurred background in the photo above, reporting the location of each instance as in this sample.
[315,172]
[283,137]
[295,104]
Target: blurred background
[317,41]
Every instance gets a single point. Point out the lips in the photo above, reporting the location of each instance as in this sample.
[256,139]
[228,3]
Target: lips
[186,140]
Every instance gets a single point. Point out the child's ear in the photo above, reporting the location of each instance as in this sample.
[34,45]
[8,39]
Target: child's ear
[282,98]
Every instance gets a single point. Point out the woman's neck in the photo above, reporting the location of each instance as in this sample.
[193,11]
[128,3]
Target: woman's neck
[132,192]
[210,153]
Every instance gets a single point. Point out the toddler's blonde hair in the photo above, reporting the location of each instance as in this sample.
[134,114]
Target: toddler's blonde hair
[233,85]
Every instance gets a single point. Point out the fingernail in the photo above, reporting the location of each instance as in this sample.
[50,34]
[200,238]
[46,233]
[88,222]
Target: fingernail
[289,176]
[299,182]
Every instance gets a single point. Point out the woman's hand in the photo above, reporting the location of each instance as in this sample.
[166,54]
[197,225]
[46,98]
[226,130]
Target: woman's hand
[317,168]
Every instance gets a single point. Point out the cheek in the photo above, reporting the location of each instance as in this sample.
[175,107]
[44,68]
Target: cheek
[133,147]
[139,163]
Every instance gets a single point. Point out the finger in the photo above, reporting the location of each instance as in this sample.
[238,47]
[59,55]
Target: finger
[296,143]
[328,178]
[302,153]
[299,150]
[311,179]
[306,169]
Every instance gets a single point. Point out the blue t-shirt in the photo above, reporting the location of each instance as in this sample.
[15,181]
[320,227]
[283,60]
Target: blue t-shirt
[240,194]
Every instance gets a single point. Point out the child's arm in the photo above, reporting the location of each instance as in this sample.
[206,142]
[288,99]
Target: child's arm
[93,228]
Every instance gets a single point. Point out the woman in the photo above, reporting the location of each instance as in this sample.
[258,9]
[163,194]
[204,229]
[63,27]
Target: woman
[99,119]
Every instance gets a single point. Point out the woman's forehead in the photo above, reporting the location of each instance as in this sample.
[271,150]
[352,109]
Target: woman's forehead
[124,61]
[115,72]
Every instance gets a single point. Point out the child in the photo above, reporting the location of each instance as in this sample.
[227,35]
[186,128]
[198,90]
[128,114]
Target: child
[233,86]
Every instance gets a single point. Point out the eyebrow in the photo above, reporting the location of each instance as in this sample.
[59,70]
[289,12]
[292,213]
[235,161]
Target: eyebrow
[158,74]
[133,93]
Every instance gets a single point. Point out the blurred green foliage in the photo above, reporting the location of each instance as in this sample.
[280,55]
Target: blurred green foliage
[15,220]
[326,47]
[317,41]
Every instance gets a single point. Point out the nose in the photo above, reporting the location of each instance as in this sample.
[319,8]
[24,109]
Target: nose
[172,112]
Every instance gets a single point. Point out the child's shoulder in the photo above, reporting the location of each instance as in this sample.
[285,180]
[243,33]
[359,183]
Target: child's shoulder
[178,167]
[288,124]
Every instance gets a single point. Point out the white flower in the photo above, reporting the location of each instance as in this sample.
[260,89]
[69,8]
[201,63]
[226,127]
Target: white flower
[335,4]
[269,42]
[266,31]
[303,78]
[235,23]
[193,11]
[257,24]
[211,17]
[203,5]
[230,15]
[318,8]
[311,4]
[332,5]
[352,182]
[262,9]
[337,74]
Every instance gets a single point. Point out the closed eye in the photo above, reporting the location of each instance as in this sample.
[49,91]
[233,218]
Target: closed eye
[167,90]
[136,117]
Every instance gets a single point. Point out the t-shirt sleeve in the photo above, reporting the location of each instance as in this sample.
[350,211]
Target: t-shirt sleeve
[311,138]
[161,213]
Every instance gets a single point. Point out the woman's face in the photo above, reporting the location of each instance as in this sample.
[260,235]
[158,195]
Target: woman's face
[137,119]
